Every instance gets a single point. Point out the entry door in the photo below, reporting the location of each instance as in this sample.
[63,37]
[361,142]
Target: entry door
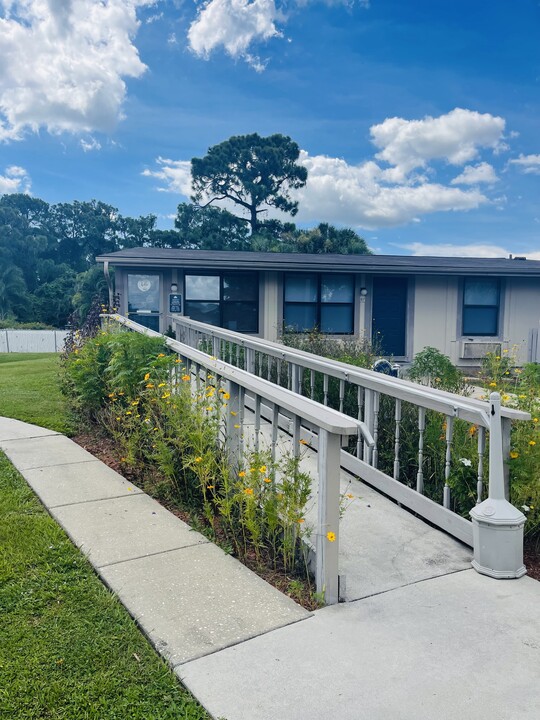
[389,315]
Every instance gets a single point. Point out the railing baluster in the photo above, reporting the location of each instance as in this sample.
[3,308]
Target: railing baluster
[269,367]
[275,427]
[448,460]
[257,421]
[375,454]
[312,383]
[421,431]
[241,412]
[325,389]
[481,450]
[341,394]
[397,439]
[297,427]
[278,379]
[238,356]
[360,400]
[369,421]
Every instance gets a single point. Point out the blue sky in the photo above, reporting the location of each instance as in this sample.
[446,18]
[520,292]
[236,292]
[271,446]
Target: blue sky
[418,120]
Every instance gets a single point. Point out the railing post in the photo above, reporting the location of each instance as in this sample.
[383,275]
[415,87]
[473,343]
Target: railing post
[327,539]
[233,427]
[506,428]
[497,525]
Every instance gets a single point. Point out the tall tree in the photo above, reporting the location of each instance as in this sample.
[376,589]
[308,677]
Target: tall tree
[209,228]
[251,171]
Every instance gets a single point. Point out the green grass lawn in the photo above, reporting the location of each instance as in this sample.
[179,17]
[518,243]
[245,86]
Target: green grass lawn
[68,649]
[30,390]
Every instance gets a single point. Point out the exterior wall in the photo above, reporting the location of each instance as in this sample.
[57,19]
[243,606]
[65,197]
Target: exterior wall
[434,319]
[434,310]
[521,314]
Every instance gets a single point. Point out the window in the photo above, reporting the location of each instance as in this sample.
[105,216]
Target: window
[143,300]
[228,300]
[323,301]
[481,306]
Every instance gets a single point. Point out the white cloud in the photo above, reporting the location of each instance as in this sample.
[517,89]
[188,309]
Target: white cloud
[471,250]
[233,25]
[89,145]
[176,174]
[455,137]
[360,195]
[15,180]
[475,174]
[529,164]
[64,63]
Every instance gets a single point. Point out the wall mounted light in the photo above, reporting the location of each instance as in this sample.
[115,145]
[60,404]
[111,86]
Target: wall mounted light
[363,292]
[174,287]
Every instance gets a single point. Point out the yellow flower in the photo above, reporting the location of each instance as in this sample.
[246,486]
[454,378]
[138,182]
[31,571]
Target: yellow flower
[226,396]
[505,398]
[128,412]
[123,459]
[252,469]
[237,426]
[514,454]
[267,480]
[135,402]
[177,360]
[185,378]
[147,377]
[262,468]
[300,521]
[165,396]
[492,384]
[241,474]
[234,413]
[249,491]
[331,537]
[120,393]
[535,420]
[161,385]
[209,409]
[118,418]
[161,355]
[209,487]
[198,459]
[350,496]
[111,395]
[472,430]
[150,385]
[497,357]
[532,442]
[522,397]
[303,442]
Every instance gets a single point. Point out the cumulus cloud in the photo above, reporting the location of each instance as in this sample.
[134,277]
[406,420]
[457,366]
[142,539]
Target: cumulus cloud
[64,63]
[470,250]
[233,25]
[476,174]
[15,180]
[360,195]
[89,145]
[175,174]
[529,164]
[455,137]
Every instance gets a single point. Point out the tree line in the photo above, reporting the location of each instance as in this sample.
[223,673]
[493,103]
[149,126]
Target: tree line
[48,251]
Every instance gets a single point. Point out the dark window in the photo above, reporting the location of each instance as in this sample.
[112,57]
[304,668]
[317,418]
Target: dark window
[229,300]
[325,302]
[481,297]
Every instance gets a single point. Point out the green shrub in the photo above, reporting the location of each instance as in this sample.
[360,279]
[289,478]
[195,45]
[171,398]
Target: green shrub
[431,367]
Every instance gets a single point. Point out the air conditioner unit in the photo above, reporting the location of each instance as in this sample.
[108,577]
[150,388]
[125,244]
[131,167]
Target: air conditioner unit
[478,350]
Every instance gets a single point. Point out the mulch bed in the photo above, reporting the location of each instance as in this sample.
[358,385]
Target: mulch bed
[104,449]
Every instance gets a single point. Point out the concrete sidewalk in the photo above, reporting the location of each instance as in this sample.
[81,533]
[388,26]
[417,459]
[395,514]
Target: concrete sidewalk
[429,638]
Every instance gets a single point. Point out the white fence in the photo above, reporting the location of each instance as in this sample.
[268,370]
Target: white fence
[32,341]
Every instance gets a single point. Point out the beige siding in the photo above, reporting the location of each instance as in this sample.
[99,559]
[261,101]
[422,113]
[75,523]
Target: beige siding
[521,314]
[435,315]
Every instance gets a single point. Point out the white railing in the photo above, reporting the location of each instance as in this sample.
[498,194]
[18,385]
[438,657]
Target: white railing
[263,399]
[371,398]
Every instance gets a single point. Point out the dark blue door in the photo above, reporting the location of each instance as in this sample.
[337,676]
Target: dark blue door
[389,315]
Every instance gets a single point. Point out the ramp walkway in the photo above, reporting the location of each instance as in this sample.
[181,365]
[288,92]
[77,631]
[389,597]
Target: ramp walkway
[423,635]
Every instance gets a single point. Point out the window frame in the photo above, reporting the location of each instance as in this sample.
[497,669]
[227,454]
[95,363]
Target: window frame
[318,303]
[498,306]
[221,302]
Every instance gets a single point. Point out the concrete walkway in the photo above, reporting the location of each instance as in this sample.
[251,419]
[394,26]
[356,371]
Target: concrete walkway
[427,638]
